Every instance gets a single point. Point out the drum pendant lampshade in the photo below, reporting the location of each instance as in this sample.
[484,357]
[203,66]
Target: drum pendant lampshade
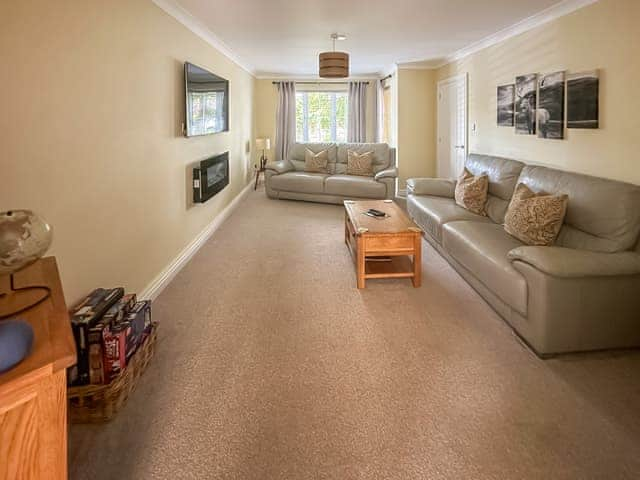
[334,64]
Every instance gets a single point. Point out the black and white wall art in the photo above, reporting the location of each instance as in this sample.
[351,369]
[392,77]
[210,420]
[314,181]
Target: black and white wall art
[505,105]
[582,99]
[525,102]
[550,110]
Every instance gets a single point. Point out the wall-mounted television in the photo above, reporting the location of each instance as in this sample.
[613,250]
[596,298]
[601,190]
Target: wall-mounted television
[207,101]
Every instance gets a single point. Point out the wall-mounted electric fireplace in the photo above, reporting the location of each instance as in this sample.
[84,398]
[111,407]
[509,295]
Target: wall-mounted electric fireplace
[210,177]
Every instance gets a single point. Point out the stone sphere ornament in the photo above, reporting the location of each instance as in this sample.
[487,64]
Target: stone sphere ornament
[24,238]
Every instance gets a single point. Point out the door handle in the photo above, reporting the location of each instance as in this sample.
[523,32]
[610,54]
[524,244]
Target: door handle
[459,146]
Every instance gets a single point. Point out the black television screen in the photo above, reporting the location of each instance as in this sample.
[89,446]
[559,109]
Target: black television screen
[207,101]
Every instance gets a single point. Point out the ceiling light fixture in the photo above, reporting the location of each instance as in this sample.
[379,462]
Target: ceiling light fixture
[334,64]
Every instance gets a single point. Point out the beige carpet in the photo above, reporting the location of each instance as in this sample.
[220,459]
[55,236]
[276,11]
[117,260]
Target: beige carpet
[272,365]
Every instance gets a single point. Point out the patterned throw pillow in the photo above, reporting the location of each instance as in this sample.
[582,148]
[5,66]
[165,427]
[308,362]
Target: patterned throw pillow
[535,218]
[316,162]
[471,192]
[360,163]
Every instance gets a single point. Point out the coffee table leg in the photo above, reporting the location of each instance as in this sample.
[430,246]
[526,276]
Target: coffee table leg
[360,262]
[417,261]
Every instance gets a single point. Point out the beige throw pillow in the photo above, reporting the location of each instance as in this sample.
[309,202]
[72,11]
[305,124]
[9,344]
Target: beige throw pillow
[360,163]
[471,192]
[316,162]
[535,219]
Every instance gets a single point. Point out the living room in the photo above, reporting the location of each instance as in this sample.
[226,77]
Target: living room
[360,240]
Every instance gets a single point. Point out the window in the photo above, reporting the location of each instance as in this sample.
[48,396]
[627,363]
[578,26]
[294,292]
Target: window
[321,116]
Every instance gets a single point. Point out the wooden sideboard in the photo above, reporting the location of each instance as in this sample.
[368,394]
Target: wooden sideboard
[33,395]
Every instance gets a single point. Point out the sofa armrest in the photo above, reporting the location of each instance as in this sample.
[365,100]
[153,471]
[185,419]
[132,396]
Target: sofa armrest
[386,173]
[439,187]
[281,166]
[571,263]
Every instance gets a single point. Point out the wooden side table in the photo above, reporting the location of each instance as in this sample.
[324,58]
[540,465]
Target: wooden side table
[260,169]
[33,395]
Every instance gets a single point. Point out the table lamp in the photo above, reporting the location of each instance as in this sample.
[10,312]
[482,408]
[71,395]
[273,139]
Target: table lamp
[263,144]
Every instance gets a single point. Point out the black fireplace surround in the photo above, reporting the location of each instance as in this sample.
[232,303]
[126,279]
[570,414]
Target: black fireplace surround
[211,176]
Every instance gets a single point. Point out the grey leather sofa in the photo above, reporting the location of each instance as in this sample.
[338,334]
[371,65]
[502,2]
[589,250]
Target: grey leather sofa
[581,294]
[287,179]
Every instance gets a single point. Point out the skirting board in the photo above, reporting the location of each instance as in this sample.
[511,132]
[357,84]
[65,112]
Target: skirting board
[163,279]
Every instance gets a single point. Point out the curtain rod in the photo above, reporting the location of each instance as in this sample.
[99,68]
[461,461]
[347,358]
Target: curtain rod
[320,82]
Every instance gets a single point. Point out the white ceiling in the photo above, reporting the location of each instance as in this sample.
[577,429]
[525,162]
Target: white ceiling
[283,37]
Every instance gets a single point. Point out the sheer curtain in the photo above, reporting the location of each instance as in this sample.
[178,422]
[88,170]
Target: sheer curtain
[357,128]
[285,119]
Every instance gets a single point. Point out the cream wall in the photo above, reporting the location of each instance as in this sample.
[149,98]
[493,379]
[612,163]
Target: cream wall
[266,103]
[604,35]
[92,103]
[416,124]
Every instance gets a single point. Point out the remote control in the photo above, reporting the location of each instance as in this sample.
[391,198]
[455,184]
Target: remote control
[377,213]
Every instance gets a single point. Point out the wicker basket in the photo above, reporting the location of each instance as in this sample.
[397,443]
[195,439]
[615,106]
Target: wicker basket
[99,403]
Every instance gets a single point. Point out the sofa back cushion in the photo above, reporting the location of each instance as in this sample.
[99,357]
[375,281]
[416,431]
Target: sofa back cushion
[503,175]
[316,162]
[360,164]
[535,218]
[471,192]
[297,154]
[380,155]
[602,215]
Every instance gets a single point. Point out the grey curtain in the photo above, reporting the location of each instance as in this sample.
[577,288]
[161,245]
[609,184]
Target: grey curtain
[285,119]
[357,127]
[379,116]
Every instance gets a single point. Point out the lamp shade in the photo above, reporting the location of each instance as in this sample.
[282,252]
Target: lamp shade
[333,65]
[263,143]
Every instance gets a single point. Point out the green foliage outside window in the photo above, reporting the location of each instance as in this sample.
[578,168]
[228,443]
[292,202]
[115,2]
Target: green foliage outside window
[321,116]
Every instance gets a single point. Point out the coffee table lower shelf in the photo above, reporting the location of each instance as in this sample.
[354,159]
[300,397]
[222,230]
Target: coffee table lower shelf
[395,267]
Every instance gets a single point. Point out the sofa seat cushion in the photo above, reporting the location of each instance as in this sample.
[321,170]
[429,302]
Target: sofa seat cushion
[299,182]
[431,212]
[482,249]
[354,186]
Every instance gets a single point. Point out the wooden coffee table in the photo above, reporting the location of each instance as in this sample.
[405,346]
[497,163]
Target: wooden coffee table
[389,247]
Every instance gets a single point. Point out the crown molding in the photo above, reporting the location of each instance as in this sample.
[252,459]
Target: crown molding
[545,16]
[388,71]
[418,67]
[313,78]
[200,29]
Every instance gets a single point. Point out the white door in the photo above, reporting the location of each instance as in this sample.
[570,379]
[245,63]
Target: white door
[452,126]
